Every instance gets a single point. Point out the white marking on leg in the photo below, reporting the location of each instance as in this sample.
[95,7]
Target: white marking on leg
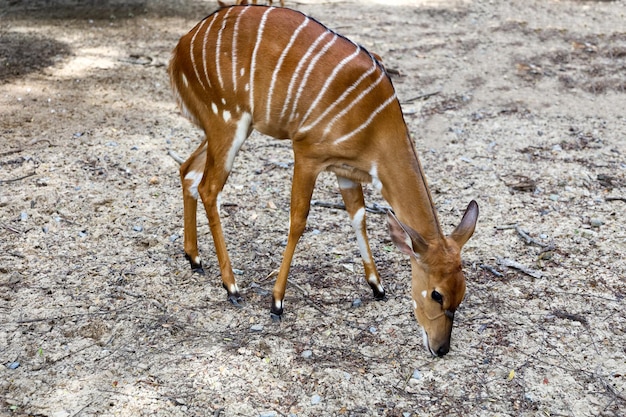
[367,122]
[197,260]
[195,177]
[279,65]
[346,184]
[375,180]
[296,73]
[308,72]
[255,51]
[214,107]
[357,225]
[227,116]
[242,71]
[278,305]
[218,48]
[326,85]
[233,289]
[343,96]
[373,280]
[243,127]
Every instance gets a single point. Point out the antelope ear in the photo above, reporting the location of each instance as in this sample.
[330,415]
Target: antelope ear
[465,229]
[406,239]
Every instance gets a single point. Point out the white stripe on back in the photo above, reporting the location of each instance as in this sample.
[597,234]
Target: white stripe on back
[354,102]
[342,97]
[259,35]
[193,59]
[308,71]
[329,80]
[204,45]
[234,48]
[279,64]
[218,47]
[295,74]
[367,121]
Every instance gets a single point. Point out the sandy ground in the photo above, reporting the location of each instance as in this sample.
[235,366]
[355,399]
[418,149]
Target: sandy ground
[519,105]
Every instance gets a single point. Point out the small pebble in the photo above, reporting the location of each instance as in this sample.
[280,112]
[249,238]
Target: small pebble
[42,182]
[416,374]
[268,414]
[554,197]
[256,328]
[373,330]
[316,399]
[357,302]
[138,228]
[596,222]
[13,365]
[237,271]
[306,354]
[23,216]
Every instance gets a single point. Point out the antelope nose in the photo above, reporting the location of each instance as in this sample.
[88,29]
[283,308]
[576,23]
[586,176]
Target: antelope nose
[443,350]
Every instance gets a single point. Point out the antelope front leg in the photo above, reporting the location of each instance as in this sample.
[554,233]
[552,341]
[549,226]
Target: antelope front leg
[301,192]
[352,193]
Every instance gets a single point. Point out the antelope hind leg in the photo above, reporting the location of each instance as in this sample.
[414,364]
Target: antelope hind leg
[191,173]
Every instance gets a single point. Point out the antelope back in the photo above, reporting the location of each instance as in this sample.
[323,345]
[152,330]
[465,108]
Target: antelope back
[292,74]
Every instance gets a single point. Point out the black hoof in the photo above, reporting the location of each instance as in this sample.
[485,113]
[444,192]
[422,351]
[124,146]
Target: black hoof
[276,310]
[378,295]
[236,300]
[196,268]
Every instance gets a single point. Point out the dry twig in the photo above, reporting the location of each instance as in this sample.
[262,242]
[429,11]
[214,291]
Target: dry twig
[491,269]
[524,235]
[175,156]
[370,208]
[616,199]
[19,178]
[510,263]
[424,96]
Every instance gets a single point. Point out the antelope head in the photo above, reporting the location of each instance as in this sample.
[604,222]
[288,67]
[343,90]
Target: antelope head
[438,282]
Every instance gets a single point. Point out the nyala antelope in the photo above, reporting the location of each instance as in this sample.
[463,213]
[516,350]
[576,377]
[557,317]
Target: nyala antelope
[288,76]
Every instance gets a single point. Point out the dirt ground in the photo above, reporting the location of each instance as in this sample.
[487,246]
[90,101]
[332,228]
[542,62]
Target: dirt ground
[519,105]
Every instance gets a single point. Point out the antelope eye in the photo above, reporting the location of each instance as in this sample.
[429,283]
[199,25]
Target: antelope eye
[437,297]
